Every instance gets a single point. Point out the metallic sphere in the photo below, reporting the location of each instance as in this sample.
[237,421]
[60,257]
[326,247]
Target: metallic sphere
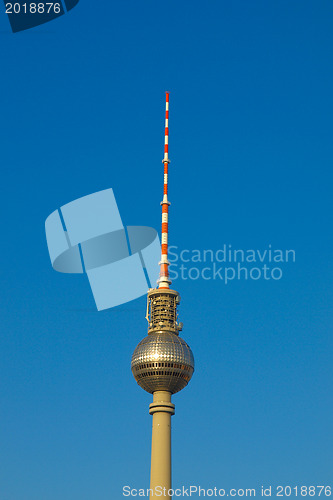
[162,362]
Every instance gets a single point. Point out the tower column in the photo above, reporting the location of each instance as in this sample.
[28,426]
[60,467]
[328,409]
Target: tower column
[160,474]
[162,363]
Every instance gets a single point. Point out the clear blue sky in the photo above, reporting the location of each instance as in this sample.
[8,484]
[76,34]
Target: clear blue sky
[251,108]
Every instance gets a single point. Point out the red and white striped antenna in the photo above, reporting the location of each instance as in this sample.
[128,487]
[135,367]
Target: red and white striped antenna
[164,280]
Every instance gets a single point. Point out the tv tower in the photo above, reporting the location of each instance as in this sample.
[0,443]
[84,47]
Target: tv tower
[162,363]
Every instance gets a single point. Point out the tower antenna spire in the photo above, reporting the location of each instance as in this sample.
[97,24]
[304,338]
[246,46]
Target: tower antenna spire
[164,280]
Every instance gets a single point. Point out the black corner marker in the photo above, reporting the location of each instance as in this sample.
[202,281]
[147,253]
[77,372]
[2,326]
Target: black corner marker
[70,4]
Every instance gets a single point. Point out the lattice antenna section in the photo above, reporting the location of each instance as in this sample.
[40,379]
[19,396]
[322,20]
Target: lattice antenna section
[162,312]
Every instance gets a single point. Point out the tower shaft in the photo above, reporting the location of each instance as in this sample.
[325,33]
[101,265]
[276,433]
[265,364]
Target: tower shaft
[160,473]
